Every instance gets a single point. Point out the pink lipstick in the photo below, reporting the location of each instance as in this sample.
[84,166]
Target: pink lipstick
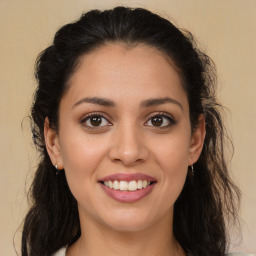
[127,188]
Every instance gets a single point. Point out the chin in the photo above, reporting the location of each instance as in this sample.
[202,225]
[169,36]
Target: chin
[128,221]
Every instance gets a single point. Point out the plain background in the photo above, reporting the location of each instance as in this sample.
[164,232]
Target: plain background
[226,30]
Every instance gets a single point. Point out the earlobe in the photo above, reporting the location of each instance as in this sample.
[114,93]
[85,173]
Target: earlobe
[52,144]
[197,140]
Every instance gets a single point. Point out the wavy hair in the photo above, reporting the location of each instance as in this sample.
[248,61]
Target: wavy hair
[207,198]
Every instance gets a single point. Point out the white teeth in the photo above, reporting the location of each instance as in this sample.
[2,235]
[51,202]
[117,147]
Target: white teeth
[144,183]
[123,185]
[110,184]
[139,184]
[132,185]
[116,185]
[127,185]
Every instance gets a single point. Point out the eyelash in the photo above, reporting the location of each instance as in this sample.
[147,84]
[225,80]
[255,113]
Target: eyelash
[171,121]
[90,116]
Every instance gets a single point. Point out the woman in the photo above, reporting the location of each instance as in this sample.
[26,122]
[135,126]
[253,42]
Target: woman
[131,141]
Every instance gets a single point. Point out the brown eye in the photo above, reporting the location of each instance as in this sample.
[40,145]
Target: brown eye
[161,121]
[157,121]
[95,121]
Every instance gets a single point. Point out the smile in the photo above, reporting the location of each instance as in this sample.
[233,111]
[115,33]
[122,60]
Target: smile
[127,188]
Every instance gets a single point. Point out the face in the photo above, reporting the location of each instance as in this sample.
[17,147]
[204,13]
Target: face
[124,137]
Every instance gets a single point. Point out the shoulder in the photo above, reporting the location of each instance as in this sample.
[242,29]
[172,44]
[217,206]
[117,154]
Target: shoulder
[60,252]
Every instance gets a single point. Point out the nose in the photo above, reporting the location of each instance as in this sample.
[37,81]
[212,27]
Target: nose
[128,147]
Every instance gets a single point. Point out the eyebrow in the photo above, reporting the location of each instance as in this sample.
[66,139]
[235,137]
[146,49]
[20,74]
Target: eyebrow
[109,103]
[160,101]
[95,100]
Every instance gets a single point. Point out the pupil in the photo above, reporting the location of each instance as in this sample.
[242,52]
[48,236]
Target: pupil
[96,121]
[157,121]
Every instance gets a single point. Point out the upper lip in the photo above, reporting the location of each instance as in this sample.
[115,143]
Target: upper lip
[128,177]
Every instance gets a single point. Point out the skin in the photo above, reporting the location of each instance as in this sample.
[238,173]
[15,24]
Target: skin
[127,141]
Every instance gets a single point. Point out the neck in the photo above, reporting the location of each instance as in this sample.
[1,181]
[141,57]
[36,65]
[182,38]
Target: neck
[101,240]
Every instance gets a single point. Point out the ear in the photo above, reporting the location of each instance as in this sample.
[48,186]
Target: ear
[197,140]
[52,144]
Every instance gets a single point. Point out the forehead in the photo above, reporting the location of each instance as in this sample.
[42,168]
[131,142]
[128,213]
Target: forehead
[116,71]
[127,52]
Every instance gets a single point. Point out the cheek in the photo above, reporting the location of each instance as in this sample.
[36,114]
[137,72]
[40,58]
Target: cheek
[173,151]
[174,173]
[81,157]
[172,155]
[79,149]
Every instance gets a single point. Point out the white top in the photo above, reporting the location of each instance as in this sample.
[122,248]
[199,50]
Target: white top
[62,252]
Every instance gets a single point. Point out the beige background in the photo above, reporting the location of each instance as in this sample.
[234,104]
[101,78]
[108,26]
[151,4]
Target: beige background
[226,29]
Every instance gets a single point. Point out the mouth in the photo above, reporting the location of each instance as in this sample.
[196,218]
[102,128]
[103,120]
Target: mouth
[127,188]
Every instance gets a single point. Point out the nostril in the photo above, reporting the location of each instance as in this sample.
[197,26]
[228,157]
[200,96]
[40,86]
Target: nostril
[128,160]
[128,148]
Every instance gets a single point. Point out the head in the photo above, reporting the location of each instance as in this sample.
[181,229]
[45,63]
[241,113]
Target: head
[138,34]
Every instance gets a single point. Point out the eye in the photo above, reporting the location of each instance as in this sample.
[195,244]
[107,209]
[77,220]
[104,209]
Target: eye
[160,120]
[95,121]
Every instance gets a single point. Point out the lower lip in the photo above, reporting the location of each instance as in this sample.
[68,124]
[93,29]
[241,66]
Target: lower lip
[127,196]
